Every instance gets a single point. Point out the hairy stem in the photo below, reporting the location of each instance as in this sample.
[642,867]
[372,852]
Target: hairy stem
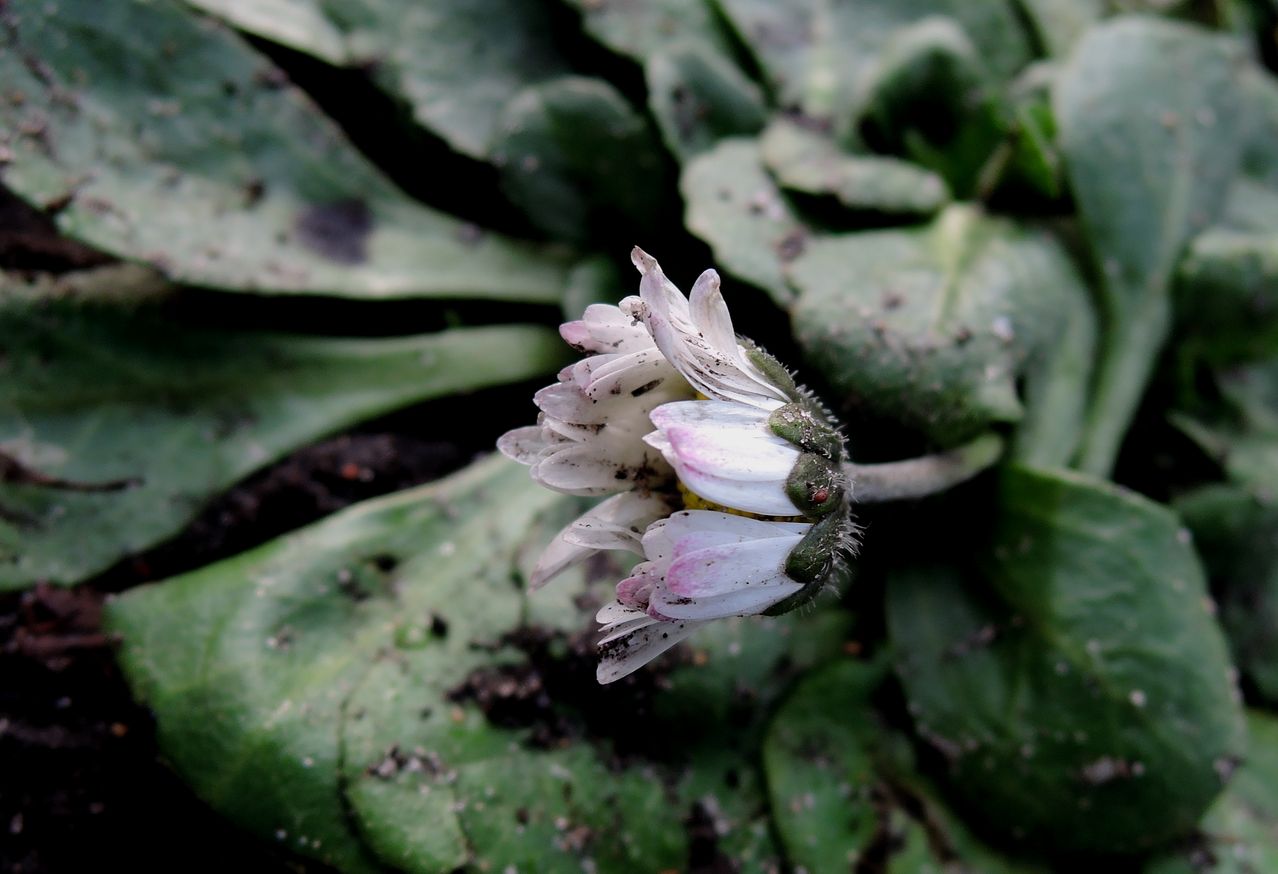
[920,477]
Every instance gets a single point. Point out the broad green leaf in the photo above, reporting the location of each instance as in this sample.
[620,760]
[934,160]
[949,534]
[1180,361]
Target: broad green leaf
[158,136]
[1236,534]
[818,55]
[1240,832]
[1151,133]
[699,97]
[844,790]
[575,156]
[446,58]
[379,686]
[1081,693]
[640,30]
[172,414]
[1059,24]
[931,99]
[934,326]
[302,690]
[808,162]
[1245,444]
[734,205]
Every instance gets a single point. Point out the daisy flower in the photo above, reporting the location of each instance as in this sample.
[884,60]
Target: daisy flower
[725,477]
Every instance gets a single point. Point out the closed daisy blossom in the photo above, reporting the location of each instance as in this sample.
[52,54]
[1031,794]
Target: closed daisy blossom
[724,476]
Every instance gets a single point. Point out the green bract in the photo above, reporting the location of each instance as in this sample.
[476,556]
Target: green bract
[240,228]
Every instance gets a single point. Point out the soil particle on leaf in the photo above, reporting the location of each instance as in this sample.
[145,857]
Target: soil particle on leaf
[339,231]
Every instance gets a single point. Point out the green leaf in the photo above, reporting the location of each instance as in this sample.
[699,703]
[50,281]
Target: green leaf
[817,55]
[934,326]
[734,205]
[1240,832]
[1083,697]
[1245,444]
[1234,534]
[808,162]
[379,687]
[575,156]
[931,100]
[1151,132]
[699,97]
[1227,296]
[146,416]
[641,30]
[302,688]
[207,165]
[844,789]
[445,58]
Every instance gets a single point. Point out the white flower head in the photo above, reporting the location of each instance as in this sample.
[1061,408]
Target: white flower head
[680,420]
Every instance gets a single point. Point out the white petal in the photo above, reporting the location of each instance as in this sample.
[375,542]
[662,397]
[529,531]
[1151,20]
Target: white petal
[616,523]
[613,614]
[726,568]
[726,454]
[582,469]
[699,342]
[744,602]
[622,655]
[605,329]
[524,445]
[729,527]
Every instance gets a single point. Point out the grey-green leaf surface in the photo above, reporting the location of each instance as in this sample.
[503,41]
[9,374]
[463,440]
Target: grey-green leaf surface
[1239,834]
[1081,691]
[575,155]
[1151,133]
[209,166]
[809,162]
[934,326]
[1236,533]
[445,59]
[699,97]
[733,204]
[173,414]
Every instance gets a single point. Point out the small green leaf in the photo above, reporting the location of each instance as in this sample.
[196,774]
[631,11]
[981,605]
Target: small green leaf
[641,30]
[147,416]
[809,162]
[818,55]
[575,156]
[1245,443]
[159,136]
[735,206]
[1234,534]
[934,326]
[699,97]
[445,58]
[1084,697]
[1151,132]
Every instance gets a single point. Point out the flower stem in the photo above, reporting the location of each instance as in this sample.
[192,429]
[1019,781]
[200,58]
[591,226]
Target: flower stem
[920,477]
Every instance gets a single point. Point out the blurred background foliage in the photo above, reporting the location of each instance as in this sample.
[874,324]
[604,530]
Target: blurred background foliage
[267,260]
